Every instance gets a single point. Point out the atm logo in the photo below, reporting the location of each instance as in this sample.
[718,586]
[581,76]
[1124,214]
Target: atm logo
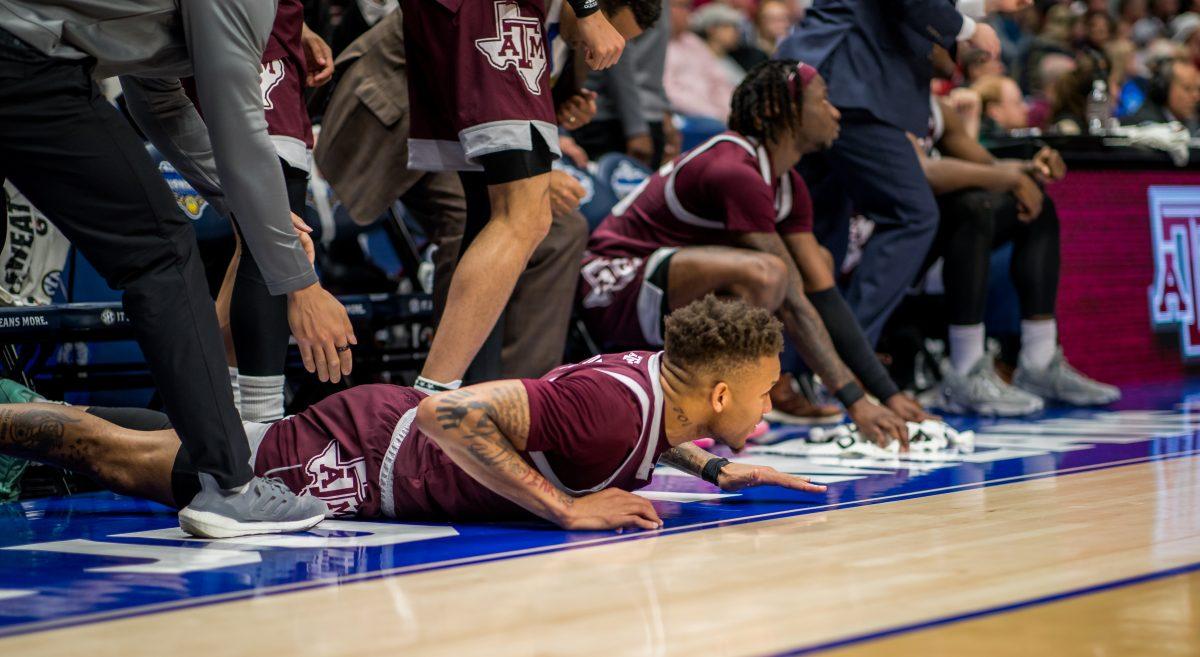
[1175,236]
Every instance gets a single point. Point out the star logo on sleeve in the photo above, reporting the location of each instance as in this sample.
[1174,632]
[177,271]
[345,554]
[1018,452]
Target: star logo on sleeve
[519,44]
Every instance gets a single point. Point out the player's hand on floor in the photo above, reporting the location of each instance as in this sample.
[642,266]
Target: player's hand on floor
[878,424]
[736,476]
[323,332]
[611,508]
[602,42]
[908,409]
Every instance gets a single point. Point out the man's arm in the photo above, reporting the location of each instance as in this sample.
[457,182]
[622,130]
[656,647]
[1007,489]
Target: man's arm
[949,174]
[937,20]
[956,139]
[734,476]
[483,427]
[225,40]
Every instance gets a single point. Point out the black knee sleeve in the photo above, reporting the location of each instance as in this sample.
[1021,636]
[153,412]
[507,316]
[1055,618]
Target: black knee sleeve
[513,165]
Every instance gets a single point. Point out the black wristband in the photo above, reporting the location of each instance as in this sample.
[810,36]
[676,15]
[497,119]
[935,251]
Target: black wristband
[584,7]
[712,469]
[849,393]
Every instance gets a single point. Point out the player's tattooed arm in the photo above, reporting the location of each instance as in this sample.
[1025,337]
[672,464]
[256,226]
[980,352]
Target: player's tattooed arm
[481,428]
[801,321]
[687,458]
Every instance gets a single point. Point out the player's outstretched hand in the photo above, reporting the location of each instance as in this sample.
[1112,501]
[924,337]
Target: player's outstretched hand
[908,408]
[736,476]
[878,424]
[611,508]
[602,43]
[323,332]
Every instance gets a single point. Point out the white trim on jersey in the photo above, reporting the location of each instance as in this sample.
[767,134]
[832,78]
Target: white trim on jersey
[783,200]
[652,410]
[387,500]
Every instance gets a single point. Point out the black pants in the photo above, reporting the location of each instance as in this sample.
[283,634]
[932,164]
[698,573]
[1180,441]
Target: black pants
[79,161]
[975,221]
[258,319]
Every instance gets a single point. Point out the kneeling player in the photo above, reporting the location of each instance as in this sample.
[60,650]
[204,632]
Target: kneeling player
[733,217]
[567,447]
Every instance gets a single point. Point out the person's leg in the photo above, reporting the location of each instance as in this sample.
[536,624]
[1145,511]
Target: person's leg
[1042,369]
[487,272]
[259,326]
[965,238]
[967,234]
[880,172]
[436,201]
[758,278]
[129,462]
[539,312]
[1034,271]
[81,164]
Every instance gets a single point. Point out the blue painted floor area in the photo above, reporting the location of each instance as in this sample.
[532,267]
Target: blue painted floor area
[92,557]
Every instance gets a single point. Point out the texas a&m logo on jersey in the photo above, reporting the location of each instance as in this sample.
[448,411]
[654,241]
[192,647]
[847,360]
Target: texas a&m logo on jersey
[341,485]
[518,44]
[1175,235]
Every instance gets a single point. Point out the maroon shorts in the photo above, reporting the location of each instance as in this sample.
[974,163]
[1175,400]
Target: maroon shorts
[282,84]
[623,299]
[339,450]
[478,80]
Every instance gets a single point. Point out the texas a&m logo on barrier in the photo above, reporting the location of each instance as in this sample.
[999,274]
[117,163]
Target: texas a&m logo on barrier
[518,44]
[1175,235]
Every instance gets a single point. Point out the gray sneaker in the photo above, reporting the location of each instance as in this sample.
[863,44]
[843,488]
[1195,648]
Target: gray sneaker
[1061,382]
[266,506]
[982,392]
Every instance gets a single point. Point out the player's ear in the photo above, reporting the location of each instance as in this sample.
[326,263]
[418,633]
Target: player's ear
[720,397]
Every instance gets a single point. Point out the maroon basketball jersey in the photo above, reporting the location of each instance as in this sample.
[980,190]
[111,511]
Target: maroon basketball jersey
[595,425]
[706,196]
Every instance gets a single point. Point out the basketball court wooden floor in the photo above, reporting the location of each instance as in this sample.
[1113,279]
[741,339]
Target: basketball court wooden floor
[1076,533]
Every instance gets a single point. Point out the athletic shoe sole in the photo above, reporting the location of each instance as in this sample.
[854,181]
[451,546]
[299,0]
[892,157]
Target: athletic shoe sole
[205,524]
[779,417]
[953,407]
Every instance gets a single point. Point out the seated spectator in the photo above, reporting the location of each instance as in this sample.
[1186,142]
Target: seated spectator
[694,78]
[1069,112]
[1129,12]
[983,203]
[1004,108]
[1100,29]
[1185,31]
[1154,25]
[1051,68]
[772,22]
[1172,95]
[721,28]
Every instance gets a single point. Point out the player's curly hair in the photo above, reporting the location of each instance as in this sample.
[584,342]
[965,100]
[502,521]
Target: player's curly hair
[763,106]
[645,12]
[715,334]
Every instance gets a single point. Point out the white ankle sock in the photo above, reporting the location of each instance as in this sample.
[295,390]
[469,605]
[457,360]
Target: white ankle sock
[262,398]
[430,386]
[1039,341]
[966,347]
[237,392]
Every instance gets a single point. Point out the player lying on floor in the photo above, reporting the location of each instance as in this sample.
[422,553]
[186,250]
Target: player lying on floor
[567,447]
[732,217]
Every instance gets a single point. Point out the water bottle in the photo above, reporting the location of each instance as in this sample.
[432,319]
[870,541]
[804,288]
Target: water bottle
[1098,111]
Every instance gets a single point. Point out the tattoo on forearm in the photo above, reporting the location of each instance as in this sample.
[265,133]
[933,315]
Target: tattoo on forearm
[688,458]
[483,424]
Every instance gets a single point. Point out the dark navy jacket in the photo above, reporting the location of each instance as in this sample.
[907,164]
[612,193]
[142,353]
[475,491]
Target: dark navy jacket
[875,53]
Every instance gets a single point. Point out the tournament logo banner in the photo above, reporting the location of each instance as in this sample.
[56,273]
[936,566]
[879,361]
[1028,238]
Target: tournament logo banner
[1175,236]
